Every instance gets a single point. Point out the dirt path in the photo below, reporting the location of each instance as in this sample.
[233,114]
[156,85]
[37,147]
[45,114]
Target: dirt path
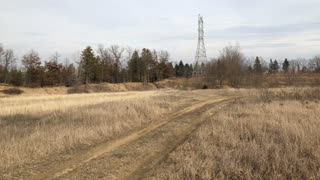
[131,156]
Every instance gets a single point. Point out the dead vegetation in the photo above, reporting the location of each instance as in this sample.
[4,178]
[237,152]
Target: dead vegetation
[298,94]
[252,139]
[270,134]
[77,89]
[12,91]
[36,128]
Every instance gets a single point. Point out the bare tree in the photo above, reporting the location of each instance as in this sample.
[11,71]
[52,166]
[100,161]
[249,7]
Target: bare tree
[8,61]
[107,63]
[163,64]
[163,56]
[129,51]
[55,57]
[53,71]
[116,52]
[1,50]
[125,74]
[296,65]
[216,71]
[32,64]
[314,64]
[233,59]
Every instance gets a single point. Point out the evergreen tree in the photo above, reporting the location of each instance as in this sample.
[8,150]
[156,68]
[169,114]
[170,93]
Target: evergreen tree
[257,66]
[285,65]
[69,75]
[134,67]
[271,66]
[146,59]
[176,70]
[180,69]
[249,69]
[87,65]
[188,70]
[276,66]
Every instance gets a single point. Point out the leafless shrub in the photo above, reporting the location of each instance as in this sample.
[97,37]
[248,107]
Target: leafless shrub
[12,91]
[229,66]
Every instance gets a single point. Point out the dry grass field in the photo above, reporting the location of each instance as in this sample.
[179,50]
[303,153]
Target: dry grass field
[35,127]
[6,90]
[163,134]
[273,134]
[38,128]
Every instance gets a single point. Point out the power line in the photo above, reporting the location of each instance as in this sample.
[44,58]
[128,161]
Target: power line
[201,55]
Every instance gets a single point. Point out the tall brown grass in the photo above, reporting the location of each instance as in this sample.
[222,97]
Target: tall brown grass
[252,139]
[34,128]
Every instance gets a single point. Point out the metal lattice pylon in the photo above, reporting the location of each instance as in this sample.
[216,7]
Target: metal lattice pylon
[201,55]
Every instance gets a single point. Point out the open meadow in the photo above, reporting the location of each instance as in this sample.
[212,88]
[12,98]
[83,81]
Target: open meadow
[162,134]
[159,90]
[271,134]
[34,129]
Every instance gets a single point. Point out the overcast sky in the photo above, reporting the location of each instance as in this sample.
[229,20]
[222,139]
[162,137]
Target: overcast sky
[270,28]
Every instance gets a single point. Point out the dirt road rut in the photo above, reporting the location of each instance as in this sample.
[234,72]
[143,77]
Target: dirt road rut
[132,156]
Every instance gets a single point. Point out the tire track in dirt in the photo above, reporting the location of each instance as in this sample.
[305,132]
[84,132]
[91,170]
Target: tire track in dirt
[155,142]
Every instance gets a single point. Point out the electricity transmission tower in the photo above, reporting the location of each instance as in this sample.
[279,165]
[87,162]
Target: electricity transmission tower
[201,55]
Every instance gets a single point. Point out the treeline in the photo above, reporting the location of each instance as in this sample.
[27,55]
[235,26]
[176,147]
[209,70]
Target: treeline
[113,65]
[232,66]
[116,65]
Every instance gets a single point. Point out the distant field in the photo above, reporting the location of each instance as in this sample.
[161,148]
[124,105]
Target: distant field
[265,81]
[6,90]
[282,80]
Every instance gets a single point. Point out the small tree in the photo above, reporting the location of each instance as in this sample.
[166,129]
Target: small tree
[276,66]
[134,67]
[216,71]
[16,77]
[165,68]
[32,64]
[8,60]
[188,70]
[273,66]
[314,64]
[69,75]
[87,64]
[146,59]
[249,69]
[180,69]
[53,71]
[257,66]
[232,59]
[116,53]
[285,65]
